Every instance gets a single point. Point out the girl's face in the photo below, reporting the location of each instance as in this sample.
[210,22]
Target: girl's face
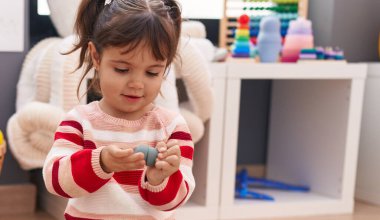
[129,82]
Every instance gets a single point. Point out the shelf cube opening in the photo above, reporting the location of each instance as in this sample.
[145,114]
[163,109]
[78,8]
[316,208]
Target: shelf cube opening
[305,138]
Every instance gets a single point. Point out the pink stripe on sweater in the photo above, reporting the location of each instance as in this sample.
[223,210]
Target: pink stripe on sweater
[151,124]
[126,145]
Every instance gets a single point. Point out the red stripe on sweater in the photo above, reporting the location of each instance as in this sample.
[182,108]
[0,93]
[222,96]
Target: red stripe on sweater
[128,177]
[55,179]
[87,144]
[187,151]
[166,195]
[73,124]
[74,138]
[83,173]
[69,217]
[187,193]
[180,135]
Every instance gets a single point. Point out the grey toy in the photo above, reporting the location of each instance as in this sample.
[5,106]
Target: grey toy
[150,154]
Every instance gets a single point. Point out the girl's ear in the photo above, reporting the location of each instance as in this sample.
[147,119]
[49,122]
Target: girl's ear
[94,55]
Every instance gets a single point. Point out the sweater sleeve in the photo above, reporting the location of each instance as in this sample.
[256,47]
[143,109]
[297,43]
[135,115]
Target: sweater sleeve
[72,167]
[175,190]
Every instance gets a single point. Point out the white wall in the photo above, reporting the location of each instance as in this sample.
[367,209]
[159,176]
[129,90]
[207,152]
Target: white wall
[202,8]
[350,24]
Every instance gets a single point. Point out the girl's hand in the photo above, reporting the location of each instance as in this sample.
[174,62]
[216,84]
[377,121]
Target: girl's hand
[167,163]
[116,159]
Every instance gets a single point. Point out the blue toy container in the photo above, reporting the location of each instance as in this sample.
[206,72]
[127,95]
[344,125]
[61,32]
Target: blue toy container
[269,39]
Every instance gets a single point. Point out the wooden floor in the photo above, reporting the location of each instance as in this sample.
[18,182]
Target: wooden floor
[362,212]
[36,216]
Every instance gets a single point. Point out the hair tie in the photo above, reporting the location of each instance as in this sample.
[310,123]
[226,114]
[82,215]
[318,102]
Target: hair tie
[107,2]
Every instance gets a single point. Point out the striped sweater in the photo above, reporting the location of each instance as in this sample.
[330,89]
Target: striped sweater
[72,168]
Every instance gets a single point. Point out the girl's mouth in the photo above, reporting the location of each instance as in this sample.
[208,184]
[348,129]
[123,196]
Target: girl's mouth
[132,98]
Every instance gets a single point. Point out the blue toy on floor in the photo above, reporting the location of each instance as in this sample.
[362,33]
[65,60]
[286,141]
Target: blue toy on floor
[245,182]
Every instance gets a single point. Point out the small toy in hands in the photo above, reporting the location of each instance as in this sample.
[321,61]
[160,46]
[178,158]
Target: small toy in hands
[150,154]
[244,182]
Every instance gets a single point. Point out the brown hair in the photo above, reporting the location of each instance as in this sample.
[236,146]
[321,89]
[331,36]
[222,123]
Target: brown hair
[156,23]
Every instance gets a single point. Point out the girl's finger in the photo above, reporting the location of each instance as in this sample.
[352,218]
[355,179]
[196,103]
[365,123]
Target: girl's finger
[161,146]
[136,165]
[173,160]
[135,157]
[120,153]
[171,143]
[175,150]
[161,165]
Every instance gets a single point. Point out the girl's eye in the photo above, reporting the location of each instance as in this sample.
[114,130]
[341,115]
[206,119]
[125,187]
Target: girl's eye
[152,74]
[121,70]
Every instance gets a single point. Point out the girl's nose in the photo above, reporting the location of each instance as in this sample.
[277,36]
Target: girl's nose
[135,83]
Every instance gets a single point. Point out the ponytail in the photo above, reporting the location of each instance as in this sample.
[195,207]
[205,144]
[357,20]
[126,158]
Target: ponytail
[87,16]
[175,14]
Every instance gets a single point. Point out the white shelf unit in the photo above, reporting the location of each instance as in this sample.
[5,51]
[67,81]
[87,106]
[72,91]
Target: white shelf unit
[313,137]
[204,203]
[368,177]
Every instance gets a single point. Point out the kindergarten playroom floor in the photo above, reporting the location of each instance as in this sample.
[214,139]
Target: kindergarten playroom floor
[362,211]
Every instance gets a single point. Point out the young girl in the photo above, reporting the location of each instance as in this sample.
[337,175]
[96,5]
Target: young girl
[129,44]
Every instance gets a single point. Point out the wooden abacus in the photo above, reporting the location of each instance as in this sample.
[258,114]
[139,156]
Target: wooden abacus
[229,22]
